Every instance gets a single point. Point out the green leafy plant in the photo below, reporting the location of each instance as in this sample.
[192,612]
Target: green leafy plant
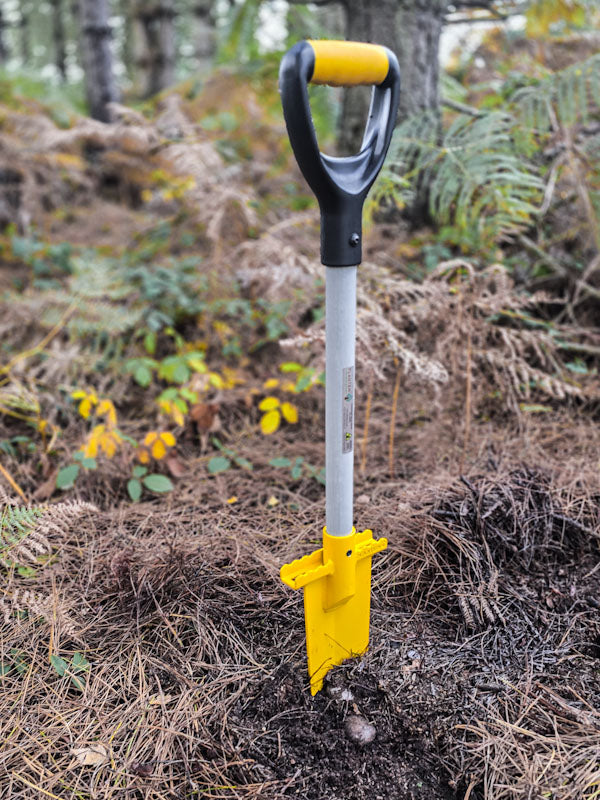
[306,377]
[154,482]
[224,462]
[299,468]
[47,261]
[77,669]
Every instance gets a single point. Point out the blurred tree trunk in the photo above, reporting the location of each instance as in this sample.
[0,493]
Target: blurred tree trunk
[24,25]
[205,34]
[156,30]
[419,26]
[128,50]
[365,22]
[100,85]
[331,17]
[3,50]
[58,34]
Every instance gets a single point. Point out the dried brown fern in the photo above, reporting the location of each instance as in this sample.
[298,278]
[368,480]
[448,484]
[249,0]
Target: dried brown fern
[26,531]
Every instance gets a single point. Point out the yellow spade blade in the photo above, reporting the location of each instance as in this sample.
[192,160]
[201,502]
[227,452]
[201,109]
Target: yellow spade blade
[337,599]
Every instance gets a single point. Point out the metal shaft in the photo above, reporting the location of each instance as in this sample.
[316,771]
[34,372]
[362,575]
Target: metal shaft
[340,322]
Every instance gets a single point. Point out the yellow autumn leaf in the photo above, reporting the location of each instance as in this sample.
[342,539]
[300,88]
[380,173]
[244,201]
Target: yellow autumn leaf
[144,456]
[90,449]
[288,386]
[109,442]
[269,422]
[167,407]
[231,378]
[232,500]
[197,364]
[168,439]
[272,501]
[216,380]
[290,412]
[78,394]
[85,407]
[107,409]
[149,438]
[268,404]
[94,441]
[158,449]
[272,383]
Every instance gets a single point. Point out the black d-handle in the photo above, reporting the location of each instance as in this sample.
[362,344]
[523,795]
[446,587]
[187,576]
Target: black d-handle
[340,184]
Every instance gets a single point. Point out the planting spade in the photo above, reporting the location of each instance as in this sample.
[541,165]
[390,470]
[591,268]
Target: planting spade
[337,578]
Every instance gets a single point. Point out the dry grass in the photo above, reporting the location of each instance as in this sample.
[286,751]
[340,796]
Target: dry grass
[193,642]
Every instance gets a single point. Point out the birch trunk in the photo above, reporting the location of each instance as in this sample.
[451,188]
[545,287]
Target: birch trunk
[96,54]
[58,35]
[156,44]
[205,34]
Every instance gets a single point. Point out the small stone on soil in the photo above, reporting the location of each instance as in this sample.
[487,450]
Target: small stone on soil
[359,730]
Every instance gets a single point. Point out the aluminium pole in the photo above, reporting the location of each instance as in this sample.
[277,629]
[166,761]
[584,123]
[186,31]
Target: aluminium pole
[340,327]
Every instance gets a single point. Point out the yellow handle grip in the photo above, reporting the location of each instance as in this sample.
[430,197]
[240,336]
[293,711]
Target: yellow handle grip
[340,63]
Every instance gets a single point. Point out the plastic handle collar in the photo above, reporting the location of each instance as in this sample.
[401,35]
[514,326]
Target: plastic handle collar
[340,184]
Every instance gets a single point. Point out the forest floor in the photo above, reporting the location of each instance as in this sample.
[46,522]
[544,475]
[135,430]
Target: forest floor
[476,456]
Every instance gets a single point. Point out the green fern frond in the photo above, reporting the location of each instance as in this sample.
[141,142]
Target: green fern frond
[481,183]
[478,183]
[564,98]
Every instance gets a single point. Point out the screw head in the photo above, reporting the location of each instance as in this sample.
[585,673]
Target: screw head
[354,240]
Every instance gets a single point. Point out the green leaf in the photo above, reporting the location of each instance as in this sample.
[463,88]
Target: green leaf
[291,366]
[303,383]
[26,572]
[280,462]
[139,471]
[79,663]
[4,668]
[67,477]
[578,366]
[296,472]
[59,664]
[158,483]
[180,403]
[77,682]
[134,488]
[188,394]
[533,408]
[150,342]
[174,369]
[19,660]
[243,463]
[89,463]
[143,376]
[218,464]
